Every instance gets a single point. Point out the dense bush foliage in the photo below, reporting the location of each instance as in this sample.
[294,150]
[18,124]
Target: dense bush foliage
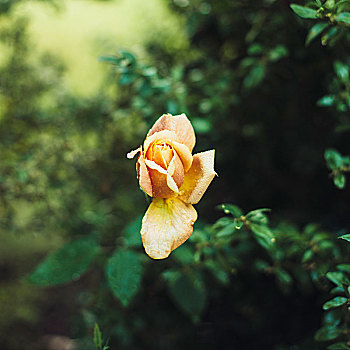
[267,84]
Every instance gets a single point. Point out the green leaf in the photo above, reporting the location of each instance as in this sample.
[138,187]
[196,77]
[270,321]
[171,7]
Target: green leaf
[231,209]
[304,12]
[307,256]
[344,267]
[338,346]
[338,278]
[277,53]
[345,237]
[188,292]
[124,272]
[343,17]
[342,71]
[66,264]
[258,216]
[327,332]
[132,233]
[335,302]
[326,101]
[263,234]
[97,337]
[339,180]
[255,76]
[333,158]
[315,31]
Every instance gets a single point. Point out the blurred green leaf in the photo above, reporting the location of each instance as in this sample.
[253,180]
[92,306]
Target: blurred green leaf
[304,12]
[188,292]
[338,346]
[339,180]
[342,71]
[326,101]
[66,264]
[333,158]
[343,17]
[97,337]
[338,278]
[335,302]
[132,233]
[263,234]
[327,332]
[124,272]
[254,76]
[231,209]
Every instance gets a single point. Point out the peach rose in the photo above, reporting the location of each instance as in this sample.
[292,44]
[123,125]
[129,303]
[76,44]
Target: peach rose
[168,172]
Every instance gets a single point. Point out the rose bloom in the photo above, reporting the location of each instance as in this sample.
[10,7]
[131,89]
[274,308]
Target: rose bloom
[168,172]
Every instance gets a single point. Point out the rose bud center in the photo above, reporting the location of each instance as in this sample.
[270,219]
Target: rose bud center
[161,153]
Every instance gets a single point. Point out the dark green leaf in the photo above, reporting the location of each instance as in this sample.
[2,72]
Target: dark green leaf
[304,12]
[338,346]
[327,332]
[263,234]
[335,302]
[342,71]
[189,293]
[343,17]
[345,237]
[97,337]
[344,267]
[66,264]
[124,272]
[315,31]
[333,158]
[278,52]
[132,233]
[339,180]
[326,101]
[231,209]
[255,76]
[338,278]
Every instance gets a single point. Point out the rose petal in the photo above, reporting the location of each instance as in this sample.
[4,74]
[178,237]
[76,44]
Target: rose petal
[198,178]
[178,124]
[133,153]
[165,184]
[184,153]
[169,137]
[166,225]
[143,175]
[165,135]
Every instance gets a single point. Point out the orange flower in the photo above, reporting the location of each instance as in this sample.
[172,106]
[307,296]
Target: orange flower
[175,179]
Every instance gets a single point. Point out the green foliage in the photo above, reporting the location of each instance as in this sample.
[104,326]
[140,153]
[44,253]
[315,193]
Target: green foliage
[67,264]
[124,272]
[338,165]
[98,339]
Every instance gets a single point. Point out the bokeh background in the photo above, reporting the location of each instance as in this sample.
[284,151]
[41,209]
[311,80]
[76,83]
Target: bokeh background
[81,82]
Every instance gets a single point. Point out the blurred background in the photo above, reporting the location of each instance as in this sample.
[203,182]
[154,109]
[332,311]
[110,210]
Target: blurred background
[81,82]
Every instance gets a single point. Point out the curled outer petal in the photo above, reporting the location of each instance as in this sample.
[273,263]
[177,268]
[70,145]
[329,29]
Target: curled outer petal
[180,125]
[142,171]
[198,178]
[166,225]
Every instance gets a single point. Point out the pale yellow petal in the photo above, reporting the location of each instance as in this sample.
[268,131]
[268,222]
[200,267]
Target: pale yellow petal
[166,225]
[198,178]
[180,125]
[133,153]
